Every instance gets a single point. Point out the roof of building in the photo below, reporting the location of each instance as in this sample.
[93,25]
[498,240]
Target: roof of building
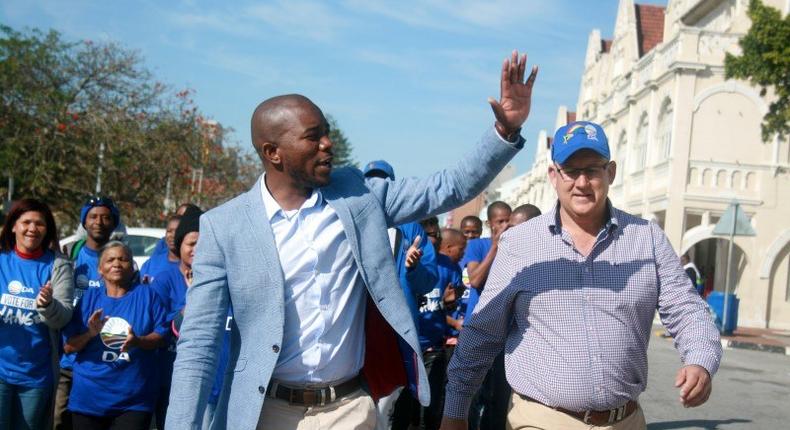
[649,26]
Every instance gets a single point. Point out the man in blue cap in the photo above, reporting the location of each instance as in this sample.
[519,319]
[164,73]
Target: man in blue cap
[571,298]
[99,217]
[415,265]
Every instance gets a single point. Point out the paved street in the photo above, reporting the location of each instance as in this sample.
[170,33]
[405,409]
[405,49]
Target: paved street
[751,391]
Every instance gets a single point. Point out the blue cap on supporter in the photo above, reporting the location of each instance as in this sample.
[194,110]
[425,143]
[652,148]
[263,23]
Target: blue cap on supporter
[381,166]
[577,136]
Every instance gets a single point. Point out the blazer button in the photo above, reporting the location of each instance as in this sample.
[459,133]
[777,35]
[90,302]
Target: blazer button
[261,389]
[275,348]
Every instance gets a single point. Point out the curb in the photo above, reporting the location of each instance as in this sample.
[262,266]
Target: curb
[736,344]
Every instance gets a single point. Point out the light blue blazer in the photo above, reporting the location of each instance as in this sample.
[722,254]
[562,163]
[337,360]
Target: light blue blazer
[237,263]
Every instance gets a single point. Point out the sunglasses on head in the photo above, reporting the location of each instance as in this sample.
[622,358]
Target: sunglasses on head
[100,201]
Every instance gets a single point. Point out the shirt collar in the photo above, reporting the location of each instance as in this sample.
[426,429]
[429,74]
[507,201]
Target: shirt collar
[555,225]
[273,208]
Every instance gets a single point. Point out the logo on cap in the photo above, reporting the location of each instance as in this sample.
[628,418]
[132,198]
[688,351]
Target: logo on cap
[592,133]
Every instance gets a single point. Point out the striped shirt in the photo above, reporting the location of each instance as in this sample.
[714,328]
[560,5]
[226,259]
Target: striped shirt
[575,329]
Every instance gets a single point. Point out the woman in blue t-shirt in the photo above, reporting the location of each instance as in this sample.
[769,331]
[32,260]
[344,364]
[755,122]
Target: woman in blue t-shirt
[115,331]
[36,290]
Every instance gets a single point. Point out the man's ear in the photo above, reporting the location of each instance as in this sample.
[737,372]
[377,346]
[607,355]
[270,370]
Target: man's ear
[270,152]
[553,173]
[612,170]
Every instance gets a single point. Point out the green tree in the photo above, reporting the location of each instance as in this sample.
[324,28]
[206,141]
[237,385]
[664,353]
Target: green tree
[765,62]
[341,147]
[67,108]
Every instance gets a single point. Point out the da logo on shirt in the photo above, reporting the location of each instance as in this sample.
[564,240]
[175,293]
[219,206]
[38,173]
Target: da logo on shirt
[114,332]
[16,287]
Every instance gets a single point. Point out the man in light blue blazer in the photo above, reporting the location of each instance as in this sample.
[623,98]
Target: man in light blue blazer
[321,326]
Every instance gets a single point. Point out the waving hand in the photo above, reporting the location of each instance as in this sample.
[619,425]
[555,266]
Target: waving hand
[515,97]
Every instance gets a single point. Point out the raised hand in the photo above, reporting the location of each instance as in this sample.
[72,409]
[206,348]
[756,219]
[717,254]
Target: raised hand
[44,297]
[515,98]
[96,322]
[414,253]
[131,341]
[695,385]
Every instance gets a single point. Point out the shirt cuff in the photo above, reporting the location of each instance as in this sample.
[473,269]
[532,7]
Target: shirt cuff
[517,144]
[707,361]
[456,406]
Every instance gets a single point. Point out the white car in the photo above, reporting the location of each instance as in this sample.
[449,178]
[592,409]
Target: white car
[142,241]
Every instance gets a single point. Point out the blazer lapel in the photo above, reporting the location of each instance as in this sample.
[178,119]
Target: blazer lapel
[338,203]
[262,232]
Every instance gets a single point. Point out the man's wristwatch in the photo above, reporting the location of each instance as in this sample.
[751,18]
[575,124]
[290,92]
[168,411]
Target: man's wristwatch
[511,136]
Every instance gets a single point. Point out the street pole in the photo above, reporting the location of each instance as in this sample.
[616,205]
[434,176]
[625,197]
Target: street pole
[727,274]
[99,168]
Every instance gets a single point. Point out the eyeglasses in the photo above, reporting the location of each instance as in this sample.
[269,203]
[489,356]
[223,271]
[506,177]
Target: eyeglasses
[570,174]
[100,201]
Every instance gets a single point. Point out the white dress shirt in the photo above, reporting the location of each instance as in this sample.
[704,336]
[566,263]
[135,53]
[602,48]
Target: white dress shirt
[324,333]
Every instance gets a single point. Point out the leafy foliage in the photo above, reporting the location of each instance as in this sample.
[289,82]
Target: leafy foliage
[62,102]
[765,62]
[341,147]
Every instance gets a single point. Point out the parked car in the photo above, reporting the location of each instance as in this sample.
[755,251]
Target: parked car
[142,241]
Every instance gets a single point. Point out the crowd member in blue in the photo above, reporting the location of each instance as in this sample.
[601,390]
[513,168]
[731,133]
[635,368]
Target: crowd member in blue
[99,216]
[432,230]
[163,247]
[490,406]
[162,261]
[522,214]
[432,330]
[171,287]
[471,227]
[36,293]
[415,263]
[115,332]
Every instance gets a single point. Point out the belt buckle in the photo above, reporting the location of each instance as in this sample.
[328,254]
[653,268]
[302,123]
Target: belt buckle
[587,415]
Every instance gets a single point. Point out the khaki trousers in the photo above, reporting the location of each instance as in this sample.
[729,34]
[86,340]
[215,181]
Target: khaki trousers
[531,415]
[353,412]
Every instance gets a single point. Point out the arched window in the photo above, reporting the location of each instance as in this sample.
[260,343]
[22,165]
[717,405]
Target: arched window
[640,145]
[621,155]
[664,131]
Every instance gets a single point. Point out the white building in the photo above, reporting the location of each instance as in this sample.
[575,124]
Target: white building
[687,142]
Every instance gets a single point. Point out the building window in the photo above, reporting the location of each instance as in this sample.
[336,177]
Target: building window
[640,146]
[622,154]
[664,131]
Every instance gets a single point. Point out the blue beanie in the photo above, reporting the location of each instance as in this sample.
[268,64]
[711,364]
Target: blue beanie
[103,202]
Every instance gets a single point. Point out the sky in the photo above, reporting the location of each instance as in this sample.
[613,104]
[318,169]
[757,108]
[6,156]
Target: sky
[407,81]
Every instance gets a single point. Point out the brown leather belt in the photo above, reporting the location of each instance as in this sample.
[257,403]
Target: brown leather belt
[596,418]
[313,396]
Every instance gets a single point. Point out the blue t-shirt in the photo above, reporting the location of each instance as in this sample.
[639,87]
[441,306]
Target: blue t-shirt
[160,248]
[157,264]
[106,381]
[476,251]
[224,356]
[171,288]
[86,276]
[25,349]
[432,323]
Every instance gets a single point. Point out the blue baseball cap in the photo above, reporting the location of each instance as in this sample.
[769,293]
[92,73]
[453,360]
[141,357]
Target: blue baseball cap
[381,166]
[577,136]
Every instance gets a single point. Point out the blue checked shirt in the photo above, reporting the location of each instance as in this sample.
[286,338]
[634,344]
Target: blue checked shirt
[575,329]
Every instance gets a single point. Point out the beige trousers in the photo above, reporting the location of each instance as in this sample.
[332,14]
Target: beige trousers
[354,412]
[531,415]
